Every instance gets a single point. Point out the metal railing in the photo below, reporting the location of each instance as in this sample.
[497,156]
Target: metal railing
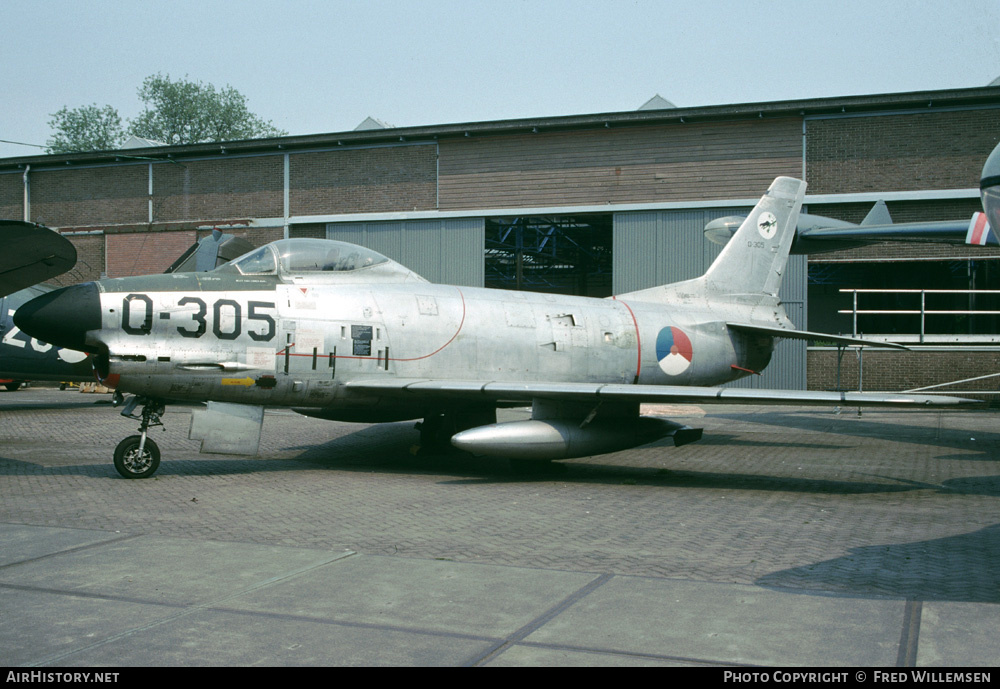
[923,311]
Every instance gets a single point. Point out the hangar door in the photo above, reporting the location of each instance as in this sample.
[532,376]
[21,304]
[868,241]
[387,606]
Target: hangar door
[446,251]
[658,247]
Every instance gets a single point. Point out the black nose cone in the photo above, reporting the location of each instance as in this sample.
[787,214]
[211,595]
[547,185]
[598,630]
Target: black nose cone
[63,317]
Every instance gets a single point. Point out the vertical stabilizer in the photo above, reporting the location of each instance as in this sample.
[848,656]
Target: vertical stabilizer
[753,262]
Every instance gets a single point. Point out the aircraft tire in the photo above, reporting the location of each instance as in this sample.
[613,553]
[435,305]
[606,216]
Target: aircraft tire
[128,462]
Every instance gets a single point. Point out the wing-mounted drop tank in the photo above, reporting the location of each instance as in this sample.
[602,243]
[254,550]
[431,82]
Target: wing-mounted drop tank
[564,430]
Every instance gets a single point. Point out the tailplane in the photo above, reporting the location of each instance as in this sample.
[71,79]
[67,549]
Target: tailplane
[753,261]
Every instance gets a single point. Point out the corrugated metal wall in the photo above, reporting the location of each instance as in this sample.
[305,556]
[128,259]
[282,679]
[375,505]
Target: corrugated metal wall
[659,247]
[444,251]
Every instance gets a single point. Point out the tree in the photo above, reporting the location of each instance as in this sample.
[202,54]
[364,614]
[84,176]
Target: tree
[186,112]
[177,112]
[83,129]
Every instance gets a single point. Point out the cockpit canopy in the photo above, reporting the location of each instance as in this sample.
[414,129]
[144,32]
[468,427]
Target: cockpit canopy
[320,260]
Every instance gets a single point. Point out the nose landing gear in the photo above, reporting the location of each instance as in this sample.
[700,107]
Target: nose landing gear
[137,456]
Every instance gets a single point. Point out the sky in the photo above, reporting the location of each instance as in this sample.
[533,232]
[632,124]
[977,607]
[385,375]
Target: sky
[319,67]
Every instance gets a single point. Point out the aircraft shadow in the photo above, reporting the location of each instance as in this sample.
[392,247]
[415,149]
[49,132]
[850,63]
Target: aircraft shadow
[716,438]
[35,406]
[986,442]
[208,466]
[471,471]
[387,448]
[954,568]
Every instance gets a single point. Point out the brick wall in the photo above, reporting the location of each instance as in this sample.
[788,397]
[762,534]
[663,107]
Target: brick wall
[259,236]
[142,253]
[87,197]
[12,196]
[396,178]
[939,150]
[896,370]
[219,189]
[89,260]
[677,162]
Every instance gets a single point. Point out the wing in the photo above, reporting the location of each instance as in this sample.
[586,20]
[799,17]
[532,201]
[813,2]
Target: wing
[598,392]
[580,419]
[809,335]
[31,254]
[816,234]
[819,239]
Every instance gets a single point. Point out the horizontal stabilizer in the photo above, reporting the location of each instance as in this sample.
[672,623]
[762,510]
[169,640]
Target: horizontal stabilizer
[808,335]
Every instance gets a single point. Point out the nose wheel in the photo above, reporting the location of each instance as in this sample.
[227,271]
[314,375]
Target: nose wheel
[137,456]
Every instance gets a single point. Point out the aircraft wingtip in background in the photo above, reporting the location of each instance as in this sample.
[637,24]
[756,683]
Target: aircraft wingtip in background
[31,254]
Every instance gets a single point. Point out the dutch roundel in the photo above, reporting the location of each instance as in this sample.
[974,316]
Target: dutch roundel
[673,351]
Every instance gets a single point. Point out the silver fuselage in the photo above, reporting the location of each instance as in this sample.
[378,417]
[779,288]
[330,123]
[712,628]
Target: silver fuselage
[293,343]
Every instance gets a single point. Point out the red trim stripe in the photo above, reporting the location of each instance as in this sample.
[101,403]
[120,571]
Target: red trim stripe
[976,234]
[415,358]
[638,341]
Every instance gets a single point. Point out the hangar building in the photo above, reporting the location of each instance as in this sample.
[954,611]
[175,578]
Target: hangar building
[593,204]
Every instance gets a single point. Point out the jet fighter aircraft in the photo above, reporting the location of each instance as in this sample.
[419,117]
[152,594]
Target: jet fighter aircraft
[24,358]
[989,188]
[340,332]
[34,253]
[816,234]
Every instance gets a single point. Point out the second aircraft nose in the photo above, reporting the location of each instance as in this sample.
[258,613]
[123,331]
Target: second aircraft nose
[63,317]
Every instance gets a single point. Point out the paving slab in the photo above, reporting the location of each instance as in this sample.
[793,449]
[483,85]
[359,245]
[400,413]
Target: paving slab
[959,635]
[40,627]
[693,621]
[423,595]
[165,570]
[21,542]
[213,638]
[529,655]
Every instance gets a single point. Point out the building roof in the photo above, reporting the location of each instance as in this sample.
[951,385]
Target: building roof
[372,123]
[140,142]
[919,101]
[657,102]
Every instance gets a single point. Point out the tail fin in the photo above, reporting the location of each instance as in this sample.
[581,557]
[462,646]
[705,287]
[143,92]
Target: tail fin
[753,262]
